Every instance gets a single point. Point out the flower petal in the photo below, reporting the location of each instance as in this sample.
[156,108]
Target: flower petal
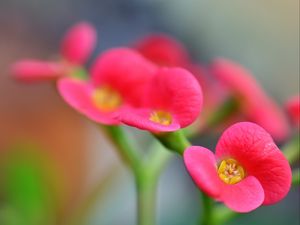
[124,70]
[140,118]
[78,43]
[256,151]
[77,93]
[177,91]
[163,50]
[293,108]
[201,165]
[255,103]
[244,196]
[31,70]
[270,117]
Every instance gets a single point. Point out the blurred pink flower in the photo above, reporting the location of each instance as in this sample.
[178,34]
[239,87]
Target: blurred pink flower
[76,47]
[293,108]
[163,50]
[255,104]
[248,169]
[173,100]
[118,80]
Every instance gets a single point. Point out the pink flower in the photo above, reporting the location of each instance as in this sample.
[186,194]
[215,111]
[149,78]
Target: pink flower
[163,50]
[248,169]
[173,100]
[293,108]
[76,47]
[254,102]
[118,80]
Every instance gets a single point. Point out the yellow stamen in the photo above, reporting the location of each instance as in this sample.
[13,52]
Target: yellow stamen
[230,171]
[161,117]
[107,99]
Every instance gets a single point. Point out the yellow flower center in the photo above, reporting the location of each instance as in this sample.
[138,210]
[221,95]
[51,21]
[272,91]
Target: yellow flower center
[230,171]
[107,99]
[161,117]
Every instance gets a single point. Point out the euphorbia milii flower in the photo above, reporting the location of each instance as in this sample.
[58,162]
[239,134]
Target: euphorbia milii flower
[255,104]
[293,108]
[247,170]
[173,100]
[76,47]
[163,50]
[118,80]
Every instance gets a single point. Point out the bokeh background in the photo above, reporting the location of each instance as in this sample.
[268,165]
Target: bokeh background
[68,157]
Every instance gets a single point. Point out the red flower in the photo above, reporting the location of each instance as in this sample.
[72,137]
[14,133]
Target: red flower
[118,81]
[293,108]
[254,102]
[163,50]
[248,169]
[173,100]
[76,47]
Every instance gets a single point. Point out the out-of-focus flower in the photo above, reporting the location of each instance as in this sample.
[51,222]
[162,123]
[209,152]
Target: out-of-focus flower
[248,169]
[163,50]
[118,80]
[76,47]
[293,108]
[173,100]
[255,104]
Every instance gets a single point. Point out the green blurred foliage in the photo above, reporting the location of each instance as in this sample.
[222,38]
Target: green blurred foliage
[27,191]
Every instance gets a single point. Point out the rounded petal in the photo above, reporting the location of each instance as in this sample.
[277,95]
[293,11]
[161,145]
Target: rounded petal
[78,43]
[31,70]
[270,117]
[77,93]
[244,196]
[126,71]
[256,151]
[255,103]
[163,50]
[140,118]
[293,108]
[177,91]
[202,166]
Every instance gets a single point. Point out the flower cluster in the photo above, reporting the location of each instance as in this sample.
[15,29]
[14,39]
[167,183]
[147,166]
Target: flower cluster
[155,86]
[223,79]
[127,88]
[124,87]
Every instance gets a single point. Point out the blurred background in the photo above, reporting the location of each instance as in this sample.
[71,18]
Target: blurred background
[66,157]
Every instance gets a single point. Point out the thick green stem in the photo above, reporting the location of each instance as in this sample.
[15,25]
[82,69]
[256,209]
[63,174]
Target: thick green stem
[174,141]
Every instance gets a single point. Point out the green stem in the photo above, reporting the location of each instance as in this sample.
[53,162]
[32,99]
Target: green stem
[207,215]
[296,177]
[146,183]
[124,146]
[177,142]
[174,141]
[292,150]
[146,197]
[146,172]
